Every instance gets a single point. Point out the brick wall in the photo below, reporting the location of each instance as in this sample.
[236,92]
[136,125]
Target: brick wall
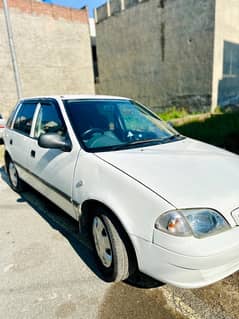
[38,8]
[53,51]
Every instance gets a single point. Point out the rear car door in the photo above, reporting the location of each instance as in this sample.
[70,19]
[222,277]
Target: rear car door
[52,169]
[17,138]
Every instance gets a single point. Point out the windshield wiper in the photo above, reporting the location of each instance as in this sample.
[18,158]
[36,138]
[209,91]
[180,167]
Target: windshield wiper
[166,139]
[156,140]
[126,145]
[135,143]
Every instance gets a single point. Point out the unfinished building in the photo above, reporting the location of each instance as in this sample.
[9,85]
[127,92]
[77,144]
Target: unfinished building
[169,52]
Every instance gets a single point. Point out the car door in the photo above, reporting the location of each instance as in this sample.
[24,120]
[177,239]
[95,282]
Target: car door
[52,169]
[17,137]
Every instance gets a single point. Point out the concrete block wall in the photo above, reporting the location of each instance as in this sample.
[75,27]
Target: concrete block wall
[8,94]
[159,52]
[102,13]
[226,54]
[115,6]
[130,3]
[53,51]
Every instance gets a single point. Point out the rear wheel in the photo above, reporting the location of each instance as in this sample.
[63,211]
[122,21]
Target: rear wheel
[15,182]
[110,248]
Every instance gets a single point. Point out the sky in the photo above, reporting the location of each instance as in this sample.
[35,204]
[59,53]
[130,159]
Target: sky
[78,3]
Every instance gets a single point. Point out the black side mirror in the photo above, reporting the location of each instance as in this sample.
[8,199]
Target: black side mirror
[54,140]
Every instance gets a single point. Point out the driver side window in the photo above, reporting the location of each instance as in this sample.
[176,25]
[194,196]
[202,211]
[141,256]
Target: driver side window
[49,120]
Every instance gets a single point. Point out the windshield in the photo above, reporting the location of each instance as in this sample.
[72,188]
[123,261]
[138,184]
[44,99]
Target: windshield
[102,125]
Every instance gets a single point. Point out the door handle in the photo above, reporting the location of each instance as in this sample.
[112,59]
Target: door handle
[11,141]
[33,153]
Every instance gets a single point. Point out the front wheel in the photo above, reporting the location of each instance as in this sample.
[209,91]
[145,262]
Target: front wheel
[110,248]
[15,182]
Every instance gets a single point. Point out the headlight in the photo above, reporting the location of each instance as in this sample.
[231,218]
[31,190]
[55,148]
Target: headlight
[199,222]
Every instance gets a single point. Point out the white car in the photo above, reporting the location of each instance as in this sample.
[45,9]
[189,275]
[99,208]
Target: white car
[2,126]
[150,199]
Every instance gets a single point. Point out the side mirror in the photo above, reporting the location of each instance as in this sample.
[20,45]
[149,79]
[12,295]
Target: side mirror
[54,140]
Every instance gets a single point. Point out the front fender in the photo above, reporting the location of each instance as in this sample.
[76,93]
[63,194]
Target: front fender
[134,205]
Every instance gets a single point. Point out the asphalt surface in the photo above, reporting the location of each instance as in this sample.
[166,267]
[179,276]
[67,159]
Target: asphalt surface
[47,271]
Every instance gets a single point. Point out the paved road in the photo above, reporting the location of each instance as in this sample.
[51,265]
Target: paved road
[46,271]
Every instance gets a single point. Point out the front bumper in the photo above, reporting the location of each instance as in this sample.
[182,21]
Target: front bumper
[189,262]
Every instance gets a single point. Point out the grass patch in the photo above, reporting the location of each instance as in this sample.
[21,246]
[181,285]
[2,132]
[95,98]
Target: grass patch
[218,129]
[173,113]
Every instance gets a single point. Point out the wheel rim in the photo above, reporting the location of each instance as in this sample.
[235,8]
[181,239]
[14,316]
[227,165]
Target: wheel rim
[13,174]
[102,242]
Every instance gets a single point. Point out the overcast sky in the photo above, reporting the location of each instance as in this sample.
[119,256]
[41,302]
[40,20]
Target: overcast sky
[78,3]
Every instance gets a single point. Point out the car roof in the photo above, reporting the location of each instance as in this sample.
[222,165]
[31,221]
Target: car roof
[76,97]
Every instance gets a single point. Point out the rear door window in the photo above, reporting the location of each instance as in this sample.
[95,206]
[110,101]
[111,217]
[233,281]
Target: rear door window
[12,115]
[23,122]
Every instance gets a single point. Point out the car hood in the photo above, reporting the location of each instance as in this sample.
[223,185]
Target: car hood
[187,173]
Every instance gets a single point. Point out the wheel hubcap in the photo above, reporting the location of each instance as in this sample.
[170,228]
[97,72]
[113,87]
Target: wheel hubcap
[13,174]
[102,242]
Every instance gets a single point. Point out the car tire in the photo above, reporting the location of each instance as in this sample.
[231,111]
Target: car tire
[109,248]
[15,182]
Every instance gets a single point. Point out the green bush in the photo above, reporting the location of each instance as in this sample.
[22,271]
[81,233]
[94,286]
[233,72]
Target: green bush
[218,129]
[173,113]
